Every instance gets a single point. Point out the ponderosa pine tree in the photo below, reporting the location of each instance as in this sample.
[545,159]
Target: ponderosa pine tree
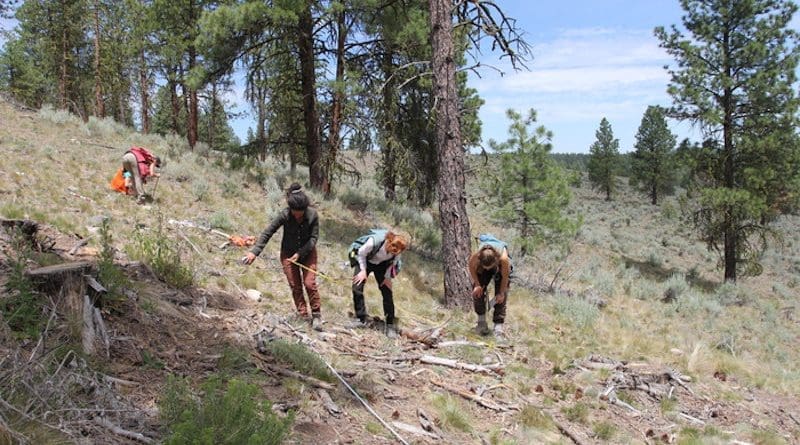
[652,163]
[604,160]
[529,191]
[736,77]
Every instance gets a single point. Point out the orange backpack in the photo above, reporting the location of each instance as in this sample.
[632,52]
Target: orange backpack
[118,182]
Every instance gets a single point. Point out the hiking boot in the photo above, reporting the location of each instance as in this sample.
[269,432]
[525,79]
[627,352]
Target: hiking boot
[316,324]
[482,328]
[391,331]
[498,330]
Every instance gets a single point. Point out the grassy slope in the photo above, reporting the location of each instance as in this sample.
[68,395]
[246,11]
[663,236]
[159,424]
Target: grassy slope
[629,253]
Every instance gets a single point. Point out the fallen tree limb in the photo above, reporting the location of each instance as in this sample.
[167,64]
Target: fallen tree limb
[470,396]
[271,369]
[414,430]
[122,432]
[450,363]
[328,402]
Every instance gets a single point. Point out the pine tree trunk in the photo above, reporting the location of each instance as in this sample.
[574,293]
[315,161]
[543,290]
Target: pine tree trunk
[62,80]
[192,109]
[451,182]
[389,128]
[100,106]
[337,105]
[144,93]
[308,86]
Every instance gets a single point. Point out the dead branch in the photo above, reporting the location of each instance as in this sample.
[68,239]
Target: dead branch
[450,363]
[470,396]
[691,418]
[78,245]
[328,402]
[263,365]
[567,432]
[122,432]
[414,430]
[447,344]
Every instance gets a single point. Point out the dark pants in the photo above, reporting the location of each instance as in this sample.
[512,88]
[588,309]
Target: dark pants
[484,278]
[358,291]
[299,278]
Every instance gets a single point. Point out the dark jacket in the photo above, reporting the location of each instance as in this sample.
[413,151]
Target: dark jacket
[298,238]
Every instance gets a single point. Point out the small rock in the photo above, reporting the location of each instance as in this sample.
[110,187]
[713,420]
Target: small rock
[676,351]
[253,294]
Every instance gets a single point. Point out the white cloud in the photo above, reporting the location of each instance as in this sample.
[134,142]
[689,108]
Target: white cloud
[577,78]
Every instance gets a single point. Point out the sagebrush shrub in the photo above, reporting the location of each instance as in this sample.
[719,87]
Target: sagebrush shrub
[231,413]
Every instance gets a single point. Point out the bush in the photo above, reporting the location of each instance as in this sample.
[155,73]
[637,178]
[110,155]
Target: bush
[229,415]
[300,358]
[110,276]
[21,308]
[161,255]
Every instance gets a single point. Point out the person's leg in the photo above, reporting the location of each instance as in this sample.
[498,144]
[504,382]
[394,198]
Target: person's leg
[358,296]
[386,291]
[310,283]
[129,164]
[292,273]
[480,303]
[499,313]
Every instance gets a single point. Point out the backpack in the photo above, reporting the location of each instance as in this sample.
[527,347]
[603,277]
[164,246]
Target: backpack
[489,239]
[378,236]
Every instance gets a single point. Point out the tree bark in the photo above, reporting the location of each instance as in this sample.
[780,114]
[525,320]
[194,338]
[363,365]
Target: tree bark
[100,106]
[191,133]
[144,92]
[337,105]
[305,41]
[451,182]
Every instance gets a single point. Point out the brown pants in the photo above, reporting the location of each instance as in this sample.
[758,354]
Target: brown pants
[298,278]
[129,164]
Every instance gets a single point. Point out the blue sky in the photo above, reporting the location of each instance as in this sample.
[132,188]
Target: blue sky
[592,59]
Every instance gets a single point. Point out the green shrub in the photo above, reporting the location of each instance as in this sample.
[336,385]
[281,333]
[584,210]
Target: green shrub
[21,307]
[580,313]
[225,415]
[578,412]
[604,430]
[533,417]
[300,358]
[451,413]
[220,220]
[110,276]
[162,256]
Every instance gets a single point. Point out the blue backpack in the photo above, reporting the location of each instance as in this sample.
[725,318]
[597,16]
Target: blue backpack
[489,239]
[378,236]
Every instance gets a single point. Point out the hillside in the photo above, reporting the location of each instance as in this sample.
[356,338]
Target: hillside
[629,338]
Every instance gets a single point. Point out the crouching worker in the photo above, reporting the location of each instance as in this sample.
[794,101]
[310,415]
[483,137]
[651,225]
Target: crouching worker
[490,263]
[138,164]
[298,251]
[379,253]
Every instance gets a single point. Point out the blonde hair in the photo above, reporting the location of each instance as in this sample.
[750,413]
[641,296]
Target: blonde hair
[488,257]
[397,241]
